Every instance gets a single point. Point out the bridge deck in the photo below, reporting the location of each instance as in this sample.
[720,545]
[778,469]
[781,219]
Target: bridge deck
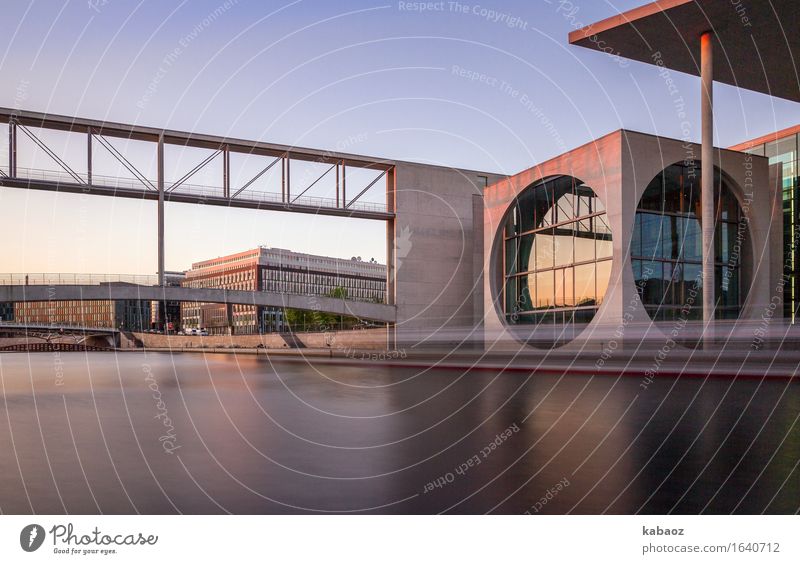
[199,195]
[363,310]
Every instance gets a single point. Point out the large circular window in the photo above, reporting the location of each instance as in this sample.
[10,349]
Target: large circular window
[556,255]
[667,246]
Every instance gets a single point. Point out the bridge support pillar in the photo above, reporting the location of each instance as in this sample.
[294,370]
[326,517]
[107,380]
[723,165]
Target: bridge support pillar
[707,183]
[161,322]
[161,210]
[391,266]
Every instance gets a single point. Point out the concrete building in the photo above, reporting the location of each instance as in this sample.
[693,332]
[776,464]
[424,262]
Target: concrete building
[172,319]
[609,235]
[132,315]
[638,230]
[621,230]
[268,269]
[780,148]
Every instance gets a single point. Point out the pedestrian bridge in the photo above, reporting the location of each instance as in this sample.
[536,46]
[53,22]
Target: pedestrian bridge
[370,311]
[13,327]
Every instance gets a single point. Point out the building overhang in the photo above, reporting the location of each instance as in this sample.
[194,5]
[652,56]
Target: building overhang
[756,42]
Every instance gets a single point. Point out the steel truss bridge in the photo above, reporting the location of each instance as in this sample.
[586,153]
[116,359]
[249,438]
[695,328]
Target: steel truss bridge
[292,198]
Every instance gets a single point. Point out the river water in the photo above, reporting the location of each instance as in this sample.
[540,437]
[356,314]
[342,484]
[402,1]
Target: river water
[192,433]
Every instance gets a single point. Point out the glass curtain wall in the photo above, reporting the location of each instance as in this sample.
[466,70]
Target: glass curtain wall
[667,250]
[556,256]
[784,151]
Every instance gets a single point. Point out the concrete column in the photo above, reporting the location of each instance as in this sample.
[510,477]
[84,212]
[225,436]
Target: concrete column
[707,178]
[12,149]
[337,184]
[288,178]
[226,171]
[89,156]
[162,306]
[229,315]
[391,245]
[160,182]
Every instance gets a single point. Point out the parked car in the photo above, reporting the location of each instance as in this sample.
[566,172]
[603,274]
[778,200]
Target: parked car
[203,333]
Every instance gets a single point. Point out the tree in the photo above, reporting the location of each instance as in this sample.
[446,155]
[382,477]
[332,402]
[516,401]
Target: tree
[304,320]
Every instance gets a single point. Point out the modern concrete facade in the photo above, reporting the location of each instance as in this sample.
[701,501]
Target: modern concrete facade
[619,167]
[433,276]
[266,269]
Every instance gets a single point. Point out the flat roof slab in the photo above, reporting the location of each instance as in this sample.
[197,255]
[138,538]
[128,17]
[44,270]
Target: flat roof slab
[757,42]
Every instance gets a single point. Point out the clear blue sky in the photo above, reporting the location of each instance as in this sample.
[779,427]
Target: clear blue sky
[369,76]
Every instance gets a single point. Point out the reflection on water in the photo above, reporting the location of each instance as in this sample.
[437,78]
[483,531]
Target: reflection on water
[193,433]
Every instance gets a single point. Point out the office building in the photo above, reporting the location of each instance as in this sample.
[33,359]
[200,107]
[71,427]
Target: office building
[266,269]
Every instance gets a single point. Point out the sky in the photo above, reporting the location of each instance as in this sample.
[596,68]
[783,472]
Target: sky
[451,85]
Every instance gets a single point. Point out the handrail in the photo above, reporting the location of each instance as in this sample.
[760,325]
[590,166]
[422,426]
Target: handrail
[116,182]
[67,279]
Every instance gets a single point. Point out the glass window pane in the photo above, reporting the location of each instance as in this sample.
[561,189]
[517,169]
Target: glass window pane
[722,242]
[727,286]
[757,150]
[569,287]
[603,278]
[692,240]
[511,256]
[597,205]
[650,282]
[545,289]
[670,237]
[542,260]
[511,294]
[543,204]
[527,292]
[543,241]
[563,242]
[691,194]
[668,296]
[564,199]
[584,195]
[585,285]
[525,253]
[559,288]
[678,284]
[693,285]
[653,196]
[604,246]
[727,205]
[584,247]
[512,223]
[673,180]
[651,235]
[782,149]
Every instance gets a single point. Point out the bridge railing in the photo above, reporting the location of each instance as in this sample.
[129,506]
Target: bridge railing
[103,181]
[61,279]
[69,325]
